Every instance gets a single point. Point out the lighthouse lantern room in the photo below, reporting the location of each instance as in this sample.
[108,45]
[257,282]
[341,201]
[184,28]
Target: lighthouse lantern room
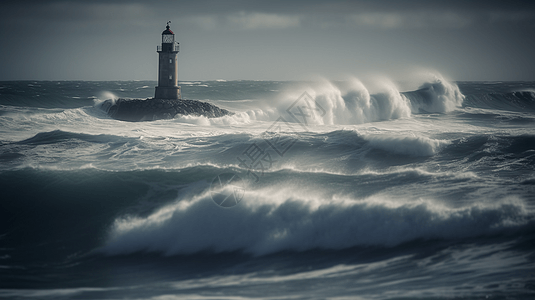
[168,67]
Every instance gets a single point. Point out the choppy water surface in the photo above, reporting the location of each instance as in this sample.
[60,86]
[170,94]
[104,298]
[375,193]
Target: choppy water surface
[377,190]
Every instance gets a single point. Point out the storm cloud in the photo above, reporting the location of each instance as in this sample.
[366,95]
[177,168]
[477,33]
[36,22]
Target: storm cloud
[276,40]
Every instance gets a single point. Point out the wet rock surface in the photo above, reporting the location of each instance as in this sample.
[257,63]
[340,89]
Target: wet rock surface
[136,110]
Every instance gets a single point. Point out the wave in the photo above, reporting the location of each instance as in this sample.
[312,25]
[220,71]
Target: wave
[440,96]
[485,146]
[510,101]
[70,94]
[408,145]
[347,102]
[330,103]
[45,100]
[339,151]
[274,220]
[58,136]
[44,94]
[353,102]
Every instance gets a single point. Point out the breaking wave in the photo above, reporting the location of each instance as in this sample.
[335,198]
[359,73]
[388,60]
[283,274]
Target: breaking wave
[329,103]
[408,145]
[285,219]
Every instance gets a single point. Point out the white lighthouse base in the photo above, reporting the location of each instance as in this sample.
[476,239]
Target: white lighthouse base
[164,92]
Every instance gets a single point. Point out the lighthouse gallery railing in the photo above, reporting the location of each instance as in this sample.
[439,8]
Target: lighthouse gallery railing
[175,47]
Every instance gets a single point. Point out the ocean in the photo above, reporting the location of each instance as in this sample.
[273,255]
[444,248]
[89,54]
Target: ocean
[353,189]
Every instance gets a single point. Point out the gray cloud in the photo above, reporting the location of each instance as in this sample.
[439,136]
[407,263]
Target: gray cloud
[510,11]
[237,39]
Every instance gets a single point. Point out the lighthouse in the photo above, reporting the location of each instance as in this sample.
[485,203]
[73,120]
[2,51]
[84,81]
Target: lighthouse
[168,67]
[167,102]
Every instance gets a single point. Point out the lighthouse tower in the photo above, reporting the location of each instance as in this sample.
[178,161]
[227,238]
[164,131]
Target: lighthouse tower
[168,67]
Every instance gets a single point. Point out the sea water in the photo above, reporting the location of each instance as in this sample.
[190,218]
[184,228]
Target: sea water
[423,189]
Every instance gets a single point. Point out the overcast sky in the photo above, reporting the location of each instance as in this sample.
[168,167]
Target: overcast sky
[268,40]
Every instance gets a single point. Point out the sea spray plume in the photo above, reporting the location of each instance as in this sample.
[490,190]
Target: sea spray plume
[356,105]
[389,103]
[358,101]
[108,95]
[436,95]
[330,98]
[105,101]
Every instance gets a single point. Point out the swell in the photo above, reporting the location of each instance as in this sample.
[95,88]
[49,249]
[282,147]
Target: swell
[275,220]
[67,94]
[341,151]
[521,101]
[58,136]
[51,214]
[23,94]
[512,157]
[171,212]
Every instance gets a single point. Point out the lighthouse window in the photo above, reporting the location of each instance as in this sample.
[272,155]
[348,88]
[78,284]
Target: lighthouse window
[170,60]
[170,76]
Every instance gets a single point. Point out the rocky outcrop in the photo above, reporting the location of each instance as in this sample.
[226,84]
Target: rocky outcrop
[135,110]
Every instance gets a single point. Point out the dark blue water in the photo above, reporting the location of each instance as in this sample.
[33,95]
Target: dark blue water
[383,192]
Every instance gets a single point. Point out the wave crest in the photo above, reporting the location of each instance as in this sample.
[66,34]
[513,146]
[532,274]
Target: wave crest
[352,102]
[408,145]
[438,96]
[357,105]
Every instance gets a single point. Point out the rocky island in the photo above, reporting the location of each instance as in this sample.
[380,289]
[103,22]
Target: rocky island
[136,110]
[167,102]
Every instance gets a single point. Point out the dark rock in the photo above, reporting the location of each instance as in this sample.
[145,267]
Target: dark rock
[135,110]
